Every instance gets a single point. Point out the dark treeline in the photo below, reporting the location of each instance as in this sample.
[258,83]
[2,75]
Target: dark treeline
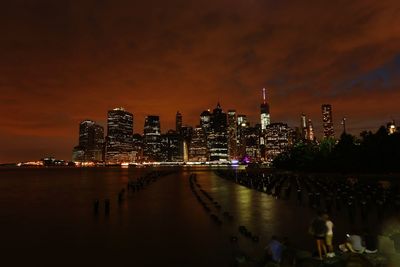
[372,152]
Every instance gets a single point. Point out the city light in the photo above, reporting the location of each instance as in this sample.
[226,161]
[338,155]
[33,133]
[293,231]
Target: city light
[220,139]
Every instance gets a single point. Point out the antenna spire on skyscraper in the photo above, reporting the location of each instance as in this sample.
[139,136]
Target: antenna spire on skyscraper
[264,96]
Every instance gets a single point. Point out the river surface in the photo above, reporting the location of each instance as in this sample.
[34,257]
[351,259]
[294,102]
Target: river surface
[47,219]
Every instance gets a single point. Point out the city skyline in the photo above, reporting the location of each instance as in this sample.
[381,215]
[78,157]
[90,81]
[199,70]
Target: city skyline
[318,133]
[65,62]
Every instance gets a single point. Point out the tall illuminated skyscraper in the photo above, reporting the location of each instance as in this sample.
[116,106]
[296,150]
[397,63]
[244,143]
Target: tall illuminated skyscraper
[198,151]
[205,121]
[303,126]
[278,138]
[152,138]
[251,143]
[241,120]
[232,134]
[178,122]
[327,121]
[218,136]
[205,124]
[264,112]
[91,142]
[119,136]
[310,130]
[242,125]
[171,144]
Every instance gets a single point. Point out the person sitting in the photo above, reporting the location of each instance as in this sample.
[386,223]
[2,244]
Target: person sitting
[274,250]
[353,243]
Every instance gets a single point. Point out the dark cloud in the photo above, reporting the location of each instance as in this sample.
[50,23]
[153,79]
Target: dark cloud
[64,61]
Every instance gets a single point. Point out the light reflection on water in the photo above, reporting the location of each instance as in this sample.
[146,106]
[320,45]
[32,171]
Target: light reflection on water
[48,214]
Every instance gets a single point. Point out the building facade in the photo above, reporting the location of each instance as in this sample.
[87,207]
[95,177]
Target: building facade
[91,142]
[218,136]
[264,112]
[171,147]
[152,138]
[303,126]
[119,136]
[198,151]
[232,135]
[310,131]
[178,122]
[278,138]
[251,142]
[242,125]
[327,121]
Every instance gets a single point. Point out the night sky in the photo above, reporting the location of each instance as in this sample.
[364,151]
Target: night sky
[65,61]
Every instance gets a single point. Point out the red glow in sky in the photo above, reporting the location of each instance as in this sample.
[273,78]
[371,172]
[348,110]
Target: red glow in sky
[65,61]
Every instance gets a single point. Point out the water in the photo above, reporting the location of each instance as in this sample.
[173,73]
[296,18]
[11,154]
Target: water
[47,219]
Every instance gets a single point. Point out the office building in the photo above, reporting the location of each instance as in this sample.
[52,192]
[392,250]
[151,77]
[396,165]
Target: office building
[119,136]
[303,126]
[310,131]
[232,134]
[91,142]
[152,138]
[137,148]
[218,135]
[251,143]
[327,121]
[198,151]
[178,122]
[171,147]
[264,112]
[242,125]
[205,123]
[278,138]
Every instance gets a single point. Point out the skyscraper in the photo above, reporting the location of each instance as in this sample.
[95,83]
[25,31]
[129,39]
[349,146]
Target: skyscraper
[119,136]
[218,135]
[264,112]
[242,125]
[137,147]
[198,151]
[186,136]
[278,139]
[96,151]
[241,120]
[205,124]
[91,142]
[85,132]
[310,131]
[251,142]
[152,138]
[327,120]
[205,121]
[303,126]
[178,122]
[171,146]
[232,134]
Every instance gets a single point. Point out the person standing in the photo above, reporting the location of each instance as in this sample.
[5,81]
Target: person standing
[318,229]
[329,235]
